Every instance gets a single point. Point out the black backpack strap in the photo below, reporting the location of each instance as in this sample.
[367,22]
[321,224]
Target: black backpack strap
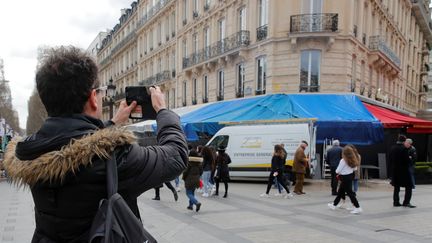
[111,175]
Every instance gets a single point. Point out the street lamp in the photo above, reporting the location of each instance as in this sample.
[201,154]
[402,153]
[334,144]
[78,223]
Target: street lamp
[110,94]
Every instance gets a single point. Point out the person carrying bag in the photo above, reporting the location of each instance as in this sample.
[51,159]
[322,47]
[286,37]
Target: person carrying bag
[114,220]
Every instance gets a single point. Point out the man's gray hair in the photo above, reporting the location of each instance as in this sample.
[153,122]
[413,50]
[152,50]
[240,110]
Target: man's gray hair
[336,142]
[409,141]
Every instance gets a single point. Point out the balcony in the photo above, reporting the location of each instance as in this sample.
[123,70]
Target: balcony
[157,79]
[377,43]
[262,32]
[307,23]
[152,12]
[422,14]
[233,42]
[125,41]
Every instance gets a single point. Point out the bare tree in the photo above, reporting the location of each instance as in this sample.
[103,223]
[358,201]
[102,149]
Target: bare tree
[36,113]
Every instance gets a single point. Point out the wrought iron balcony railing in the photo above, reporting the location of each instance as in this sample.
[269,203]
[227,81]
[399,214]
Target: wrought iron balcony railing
[324,22]
[308,88]
[122,43]
[152,12]
[262,32]
[157,79]
[230,43]
[377,43]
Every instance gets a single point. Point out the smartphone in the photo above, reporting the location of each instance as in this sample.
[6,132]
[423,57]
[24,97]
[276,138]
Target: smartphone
[144,109]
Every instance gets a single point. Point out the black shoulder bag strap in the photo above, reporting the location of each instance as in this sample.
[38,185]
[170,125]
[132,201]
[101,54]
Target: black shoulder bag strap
[112,185]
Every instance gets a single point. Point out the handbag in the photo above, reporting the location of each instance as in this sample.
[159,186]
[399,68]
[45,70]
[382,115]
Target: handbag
[114,220]
[338,177]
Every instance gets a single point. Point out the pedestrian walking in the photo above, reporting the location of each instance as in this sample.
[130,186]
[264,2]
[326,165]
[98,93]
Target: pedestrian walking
[222,170]
[208,163]
[64,163]
[412,153]
[356,172]
[334,155]
[170,186]
[277,165]
[399,159]
[191,176]
[345,170]
[299,167]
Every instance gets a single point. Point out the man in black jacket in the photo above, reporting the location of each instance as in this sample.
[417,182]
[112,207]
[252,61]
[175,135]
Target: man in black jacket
[64,162]
[399,159]
[334,155]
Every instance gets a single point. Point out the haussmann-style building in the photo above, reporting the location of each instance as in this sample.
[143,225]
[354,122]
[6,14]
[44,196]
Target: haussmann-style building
[202,51]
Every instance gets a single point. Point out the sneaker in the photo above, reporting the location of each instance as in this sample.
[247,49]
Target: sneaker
[264,195]
[198,206]
[178,189]
[357,210]
[278,194]
[205,195]
[350,208]
[331,206]
[289,195]
[341,204]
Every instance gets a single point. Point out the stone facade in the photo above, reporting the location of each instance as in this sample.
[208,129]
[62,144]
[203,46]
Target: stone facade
[207,50]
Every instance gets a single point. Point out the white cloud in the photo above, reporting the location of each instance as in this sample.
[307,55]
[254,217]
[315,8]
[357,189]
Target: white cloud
[27,24]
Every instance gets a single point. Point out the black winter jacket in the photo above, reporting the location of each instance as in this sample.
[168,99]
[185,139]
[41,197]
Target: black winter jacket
[400,161]
[334,155]
[64,165]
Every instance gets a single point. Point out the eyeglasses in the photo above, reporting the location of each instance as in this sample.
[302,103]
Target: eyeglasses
[101,90]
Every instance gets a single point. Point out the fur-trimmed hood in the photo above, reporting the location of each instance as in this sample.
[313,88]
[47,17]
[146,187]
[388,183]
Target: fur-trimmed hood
[55,165]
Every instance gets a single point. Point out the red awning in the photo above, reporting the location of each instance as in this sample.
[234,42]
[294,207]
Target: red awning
[393,119]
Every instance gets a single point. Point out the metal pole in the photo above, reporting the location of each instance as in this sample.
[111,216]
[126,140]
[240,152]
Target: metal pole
[111,108]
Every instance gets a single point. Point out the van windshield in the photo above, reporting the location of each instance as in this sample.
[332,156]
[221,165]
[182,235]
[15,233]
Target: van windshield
[219,141]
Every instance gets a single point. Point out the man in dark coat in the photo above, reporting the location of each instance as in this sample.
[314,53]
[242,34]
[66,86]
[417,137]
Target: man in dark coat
[64,162]
[400,161]
[334,155]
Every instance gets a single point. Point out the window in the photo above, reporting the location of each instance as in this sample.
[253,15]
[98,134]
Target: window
[240,80]
[173,24]
[195,43]
[173,64]
[184,12]
[184,48]
[310,70]
[184,93]
[310,22]
[221,29]
[159,34]
[207,41]
[353,74]
[173,94]
[263,12]
[194,91]
[219,141]
[167,21]
[195,8]
[205,89]
[242,19]
[261,75]
[221,81]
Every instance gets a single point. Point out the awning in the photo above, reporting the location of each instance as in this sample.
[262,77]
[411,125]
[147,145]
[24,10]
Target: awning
[393,119]
[339,116]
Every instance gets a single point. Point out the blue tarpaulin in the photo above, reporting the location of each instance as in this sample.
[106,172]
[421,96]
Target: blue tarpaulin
[340,116]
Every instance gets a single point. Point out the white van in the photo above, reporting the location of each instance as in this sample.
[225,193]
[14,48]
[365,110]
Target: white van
[251,146]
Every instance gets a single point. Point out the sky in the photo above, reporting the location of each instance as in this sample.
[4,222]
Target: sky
[27,24]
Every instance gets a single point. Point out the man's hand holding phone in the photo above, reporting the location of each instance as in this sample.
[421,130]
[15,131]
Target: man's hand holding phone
[157,98]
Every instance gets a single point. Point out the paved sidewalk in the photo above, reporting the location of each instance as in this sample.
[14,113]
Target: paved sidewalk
[245,217]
